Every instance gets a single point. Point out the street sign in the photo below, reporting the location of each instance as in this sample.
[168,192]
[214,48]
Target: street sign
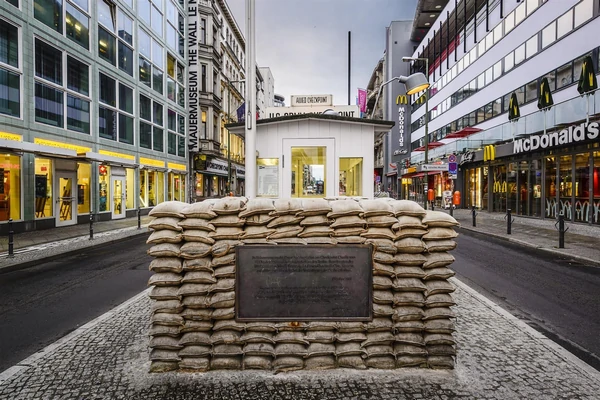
[452,176]
[453,168]
[434,167]
[452,158]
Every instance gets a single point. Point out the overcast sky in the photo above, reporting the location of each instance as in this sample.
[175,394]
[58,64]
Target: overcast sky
[305,42]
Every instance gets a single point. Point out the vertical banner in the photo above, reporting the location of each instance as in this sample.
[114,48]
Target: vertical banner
[193,100]
[362,100]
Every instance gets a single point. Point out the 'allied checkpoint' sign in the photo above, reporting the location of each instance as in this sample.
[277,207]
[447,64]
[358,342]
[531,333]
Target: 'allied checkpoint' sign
[304,283]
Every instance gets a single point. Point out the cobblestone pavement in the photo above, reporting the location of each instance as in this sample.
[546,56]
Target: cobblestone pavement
[499,357]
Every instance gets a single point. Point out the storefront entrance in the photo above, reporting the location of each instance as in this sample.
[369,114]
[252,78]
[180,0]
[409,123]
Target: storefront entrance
[118,191]
[65,206]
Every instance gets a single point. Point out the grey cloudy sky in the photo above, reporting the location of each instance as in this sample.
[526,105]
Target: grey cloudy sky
[305,42]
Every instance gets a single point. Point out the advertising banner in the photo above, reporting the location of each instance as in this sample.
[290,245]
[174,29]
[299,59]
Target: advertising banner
[362,100]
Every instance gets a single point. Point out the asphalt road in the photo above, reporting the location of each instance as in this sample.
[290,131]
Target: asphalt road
[555,295]
[41,304]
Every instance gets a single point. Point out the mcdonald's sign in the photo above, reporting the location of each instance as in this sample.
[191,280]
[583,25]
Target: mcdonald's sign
[545,97]
[587,79]
[513,107]
[402,99]
[489,153]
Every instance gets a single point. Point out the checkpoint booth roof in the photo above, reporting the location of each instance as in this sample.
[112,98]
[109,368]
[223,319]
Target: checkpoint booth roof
[314,155]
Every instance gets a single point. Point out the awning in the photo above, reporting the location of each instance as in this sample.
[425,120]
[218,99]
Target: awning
[37,149]
[431,145]
[391,173]
[413,175]
[105,158]
[462,133]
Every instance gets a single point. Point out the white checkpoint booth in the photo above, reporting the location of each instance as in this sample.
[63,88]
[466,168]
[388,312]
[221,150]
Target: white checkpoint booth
[315,155]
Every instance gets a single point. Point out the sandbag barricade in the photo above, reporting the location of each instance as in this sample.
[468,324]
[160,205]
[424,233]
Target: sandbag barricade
[193,325]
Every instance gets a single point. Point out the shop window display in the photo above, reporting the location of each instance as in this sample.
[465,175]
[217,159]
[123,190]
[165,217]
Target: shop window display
[350,177]
[129,188]
[500,188]
[581,207]
[103,188]
[10,187]
[513,189]
[595,206]
[84,172]
[565,187]
[534,190]
[43,188]
[550,195]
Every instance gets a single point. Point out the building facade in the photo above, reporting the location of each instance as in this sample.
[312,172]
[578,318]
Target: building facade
[92,109]
[534,61]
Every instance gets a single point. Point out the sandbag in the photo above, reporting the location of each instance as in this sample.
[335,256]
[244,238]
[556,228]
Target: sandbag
[164,250]
[166,264]
[257,206]
[439,219]
[197,235]
[229,205]
[377,207]
[199,224]
[171,209]
[164,279]
[201,210]
[164,236]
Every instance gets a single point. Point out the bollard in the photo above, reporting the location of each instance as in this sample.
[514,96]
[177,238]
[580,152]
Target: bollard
[139,218]
[508,218]
[432,204]
[451,208]
[91,225]
[474,214]
[11,251]
[561,231]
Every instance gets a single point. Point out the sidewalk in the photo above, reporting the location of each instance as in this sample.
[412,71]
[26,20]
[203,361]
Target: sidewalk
[35,246]
[582,242]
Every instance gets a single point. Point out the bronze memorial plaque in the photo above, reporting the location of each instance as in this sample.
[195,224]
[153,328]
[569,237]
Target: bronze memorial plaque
[304,283]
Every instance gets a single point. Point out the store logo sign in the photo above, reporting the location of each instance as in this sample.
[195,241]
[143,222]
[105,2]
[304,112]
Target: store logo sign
[575,133]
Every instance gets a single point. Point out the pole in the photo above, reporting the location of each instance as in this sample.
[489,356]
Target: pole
[228,136]
[426,129]
[561,231]
[349,63]
[250,129]
[11,251]
[91,225]
[474,216]
[139,215]
[508,221]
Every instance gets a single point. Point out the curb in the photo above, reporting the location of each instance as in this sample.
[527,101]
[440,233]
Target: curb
[31,360]
[85,245]
[556,348]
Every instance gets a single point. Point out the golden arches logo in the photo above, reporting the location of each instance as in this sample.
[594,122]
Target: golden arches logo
[402,99]
[489,153]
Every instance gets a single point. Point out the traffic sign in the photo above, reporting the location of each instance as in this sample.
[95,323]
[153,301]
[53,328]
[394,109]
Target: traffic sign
[452,158]
[434,167]
[453,168]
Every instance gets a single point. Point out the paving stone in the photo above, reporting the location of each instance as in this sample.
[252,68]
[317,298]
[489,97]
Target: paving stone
[497,359]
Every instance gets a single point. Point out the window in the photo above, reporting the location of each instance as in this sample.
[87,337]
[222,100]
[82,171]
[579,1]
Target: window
[497,33]
[202,37]
[481,81]
[509,62]
[350,177]
[50,89]
[175,73]
[10,77]
[144,10]
[50,13]
[115,113]
[489,76]
[531,47]
[564,75]
[77,26]
[520,54]
[520,14]
[551,77]
[548,35]
[203,86]
[13,2]
[77,76]
[151,124]
[497,70]
[157,18]
[531,91]
[565,24]
[112,47]
[509,22]
[583,11]
[106,46]
[532,5]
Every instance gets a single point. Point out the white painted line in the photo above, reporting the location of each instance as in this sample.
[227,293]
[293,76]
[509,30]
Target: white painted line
[31,360]
[559,350]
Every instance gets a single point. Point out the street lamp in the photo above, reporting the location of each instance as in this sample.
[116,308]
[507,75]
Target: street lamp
[426,141]
[413,83]
[228,132]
